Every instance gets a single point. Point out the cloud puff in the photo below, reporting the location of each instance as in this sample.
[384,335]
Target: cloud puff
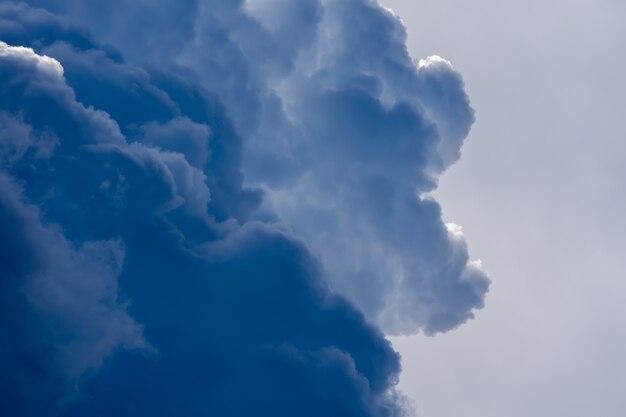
[347,139]
[206,216]
[350,152]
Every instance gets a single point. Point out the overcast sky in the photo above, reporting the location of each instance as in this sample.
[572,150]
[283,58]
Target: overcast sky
[539,192]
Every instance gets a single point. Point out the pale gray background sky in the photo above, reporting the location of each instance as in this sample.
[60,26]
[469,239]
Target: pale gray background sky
[539,191]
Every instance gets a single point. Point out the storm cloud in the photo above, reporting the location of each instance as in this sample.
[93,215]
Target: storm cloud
[205,205]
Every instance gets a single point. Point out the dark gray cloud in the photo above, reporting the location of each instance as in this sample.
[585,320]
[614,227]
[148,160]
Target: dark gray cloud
[206,214]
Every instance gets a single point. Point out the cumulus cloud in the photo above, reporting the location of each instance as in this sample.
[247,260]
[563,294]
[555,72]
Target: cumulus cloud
[347,139]
[205,212]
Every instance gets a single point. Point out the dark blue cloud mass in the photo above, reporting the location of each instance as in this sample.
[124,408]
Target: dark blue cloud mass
[206,204]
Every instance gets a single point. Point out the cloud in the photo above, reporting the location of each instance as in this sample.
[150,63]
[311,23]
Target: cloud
[347,139]
[208,214]
[359,137]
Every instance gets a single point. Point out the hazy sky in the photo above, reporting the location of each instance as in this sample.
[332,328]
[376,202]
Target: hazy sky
[539,192]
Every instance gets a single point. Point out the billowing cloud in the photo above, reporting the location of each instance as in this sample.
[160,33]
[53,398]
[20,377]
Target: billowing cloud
[347,138]
[205,217]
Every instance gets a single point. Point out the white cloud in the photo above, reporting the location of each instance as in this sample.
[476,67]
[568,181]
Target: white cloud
[44,64]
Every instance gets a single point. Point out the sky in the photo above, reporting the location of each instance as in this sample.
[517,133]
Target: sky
[269,207]
[539,192]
